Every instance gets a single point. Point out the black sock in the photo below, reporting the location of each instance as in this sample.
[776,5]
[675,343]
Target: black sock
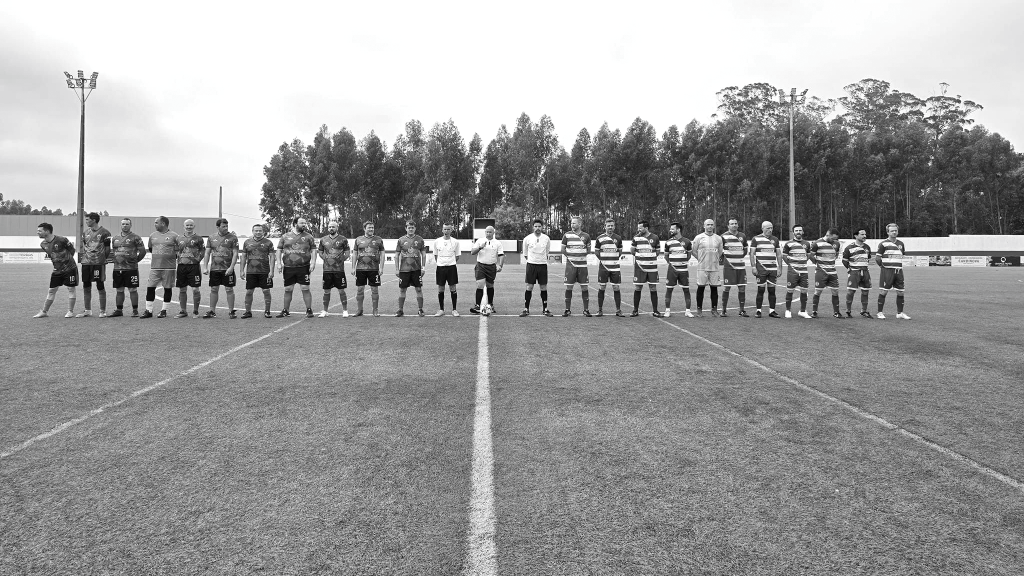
[151,294]
[817,298]
[529,296]
[864,300]
[835,302]
[714,297]
[119,300]
[789,301]
[654,301]
[668,297]
[455,298]
[881,301]
[743,297]
[600,299]
[480,297]
[490,296]
[440,300]
[167,295]
[725,300]
[899,302]
[618,299]
[568,297]
[771,297]
[803,301]
[636,300]
[544,298]
[849,300]
[686,296]
[700,297]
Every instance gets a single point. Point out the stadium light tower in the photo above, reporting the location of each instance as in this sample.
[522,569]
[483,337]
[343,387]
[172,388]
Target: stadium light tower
[794,100]
[80,85]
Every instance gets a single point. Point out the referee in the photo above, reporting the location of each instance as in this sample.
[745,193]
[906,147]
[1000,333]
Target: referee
[446,255]
[490,257]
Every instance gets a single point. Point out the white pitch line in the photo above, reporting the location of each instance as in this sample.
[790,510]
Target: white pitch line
[481,554]
[1008,480]
[62,427]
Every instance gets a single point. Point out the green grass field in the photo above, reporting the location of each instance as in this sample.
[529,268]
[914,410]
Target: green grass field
[620,445]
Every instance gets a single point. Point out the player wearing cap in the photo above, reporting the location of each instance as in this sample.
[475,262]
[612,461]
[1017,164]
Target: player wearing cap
[257,268]
[536,247]
[855,258]
[128,249]
[890,260]
[794,253]
[677,251]
[410,259]
[609,252]
[490,259]
[823,253]
[575,249]
[93,257]
[446,257]
[368,262]
[163,245]
[734,269]
[219,263]
[334,251]
[61,252]
[765,260]
[190,249]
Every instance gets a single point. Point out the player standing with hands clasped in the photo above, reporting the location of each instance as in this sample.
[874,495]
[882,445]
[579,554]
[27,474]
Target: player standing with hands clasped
[535,251]
[490,258]
[446,256]
[409,262]
[709,252]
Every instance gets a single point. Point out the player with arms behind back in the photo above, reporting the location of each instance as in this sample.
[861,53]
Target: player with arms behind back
[128,249]
[575,248]
[855,258]
[190,247]
[257,268]
[536,247]
[890,259]
[65,273]
[446,257]
[609,253]
[93,257]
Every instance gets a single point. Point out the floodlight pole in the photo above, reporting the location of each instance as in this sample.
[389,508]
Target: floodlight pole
[793,101]
[79,85]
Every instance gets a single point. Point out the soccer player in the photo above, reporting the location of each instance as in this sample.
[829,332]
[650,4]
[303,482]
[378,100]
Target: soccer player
[855,258]
[368,261]
[734,269]
[709,251]
[490,259]
[823,253]
[575,248]
[257,268]
[446,257]
[410,259]
[609,252]
[765,260]
[334,251]
[93,257]
[794,253]
[890,260]
[295,261]
[128,249]
[163,246]
[677,251]
[645,266]
[65,273]
[223,247]
[535,251]
[191,247]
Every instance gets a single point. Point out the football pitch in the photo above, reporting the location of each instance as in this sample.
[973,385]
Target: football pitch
[511,445]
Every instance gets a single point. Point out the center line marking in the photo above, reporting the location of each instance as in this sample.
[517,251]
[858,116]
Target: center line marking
[481,554]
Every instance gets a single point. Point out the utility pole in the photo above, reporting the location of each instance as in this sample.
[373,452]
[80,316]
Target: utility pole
[220,203]
[794,100]
[80,85]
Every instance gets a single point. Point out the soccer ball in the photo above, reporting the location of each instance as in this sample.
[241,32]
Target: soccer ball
[486,310]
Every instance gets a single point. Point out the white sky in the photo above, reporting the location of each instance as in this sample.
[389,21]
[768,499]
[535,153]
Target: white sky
[196,95]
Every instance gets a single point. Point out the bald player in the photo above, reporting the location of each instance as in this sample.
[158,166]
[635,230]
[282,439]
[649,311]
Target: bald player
[334,251]
[575,249]
[766,260]
[296,262]
[163,245]
[190,248]
[709,252]
[490,259]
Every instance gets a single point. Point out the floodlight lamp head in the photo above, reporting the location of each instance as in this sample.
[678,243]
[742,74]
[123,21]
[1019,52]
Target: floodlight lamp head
[81,74]
[68,74]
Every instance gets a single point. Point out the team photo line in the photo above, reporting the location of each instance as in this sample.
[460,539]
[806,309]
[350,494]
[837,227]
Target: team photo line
[182,260]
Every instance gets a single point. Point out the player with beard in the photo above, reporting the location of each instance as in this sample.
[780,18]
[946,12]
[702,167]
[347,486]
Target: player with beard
[257,268]
[93,257]
[128,249]
[794,253]
[734,269]
[765,260]
[219,263]
[368,261]
[296,262]
[609,252]
[823,253]
[855,259]
[334,250]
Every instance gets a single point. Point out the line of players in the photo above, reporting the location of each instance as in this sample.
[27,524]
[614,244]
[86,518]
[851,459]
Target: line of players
[182,260]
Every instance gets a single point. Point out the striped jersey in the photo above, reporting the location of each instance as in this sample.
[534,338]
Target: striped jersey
[257,255]
[575,247]
[190,248]
[296,249]
[677,252]
[61,252]
[825,254]
[221,249]
[735,247]
[332,250]
[164,248]
[892,252]
[857,256]
[764,248]
[645,252]
[95,246]
[609,250]
[796,251]
[128,250]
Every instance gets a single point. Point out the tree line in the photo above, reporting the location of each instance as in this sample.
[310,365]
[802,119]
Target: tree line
[873,156]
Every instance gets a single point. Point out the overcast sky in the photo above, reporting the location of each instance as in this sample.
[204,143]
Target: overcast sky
[196,95]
